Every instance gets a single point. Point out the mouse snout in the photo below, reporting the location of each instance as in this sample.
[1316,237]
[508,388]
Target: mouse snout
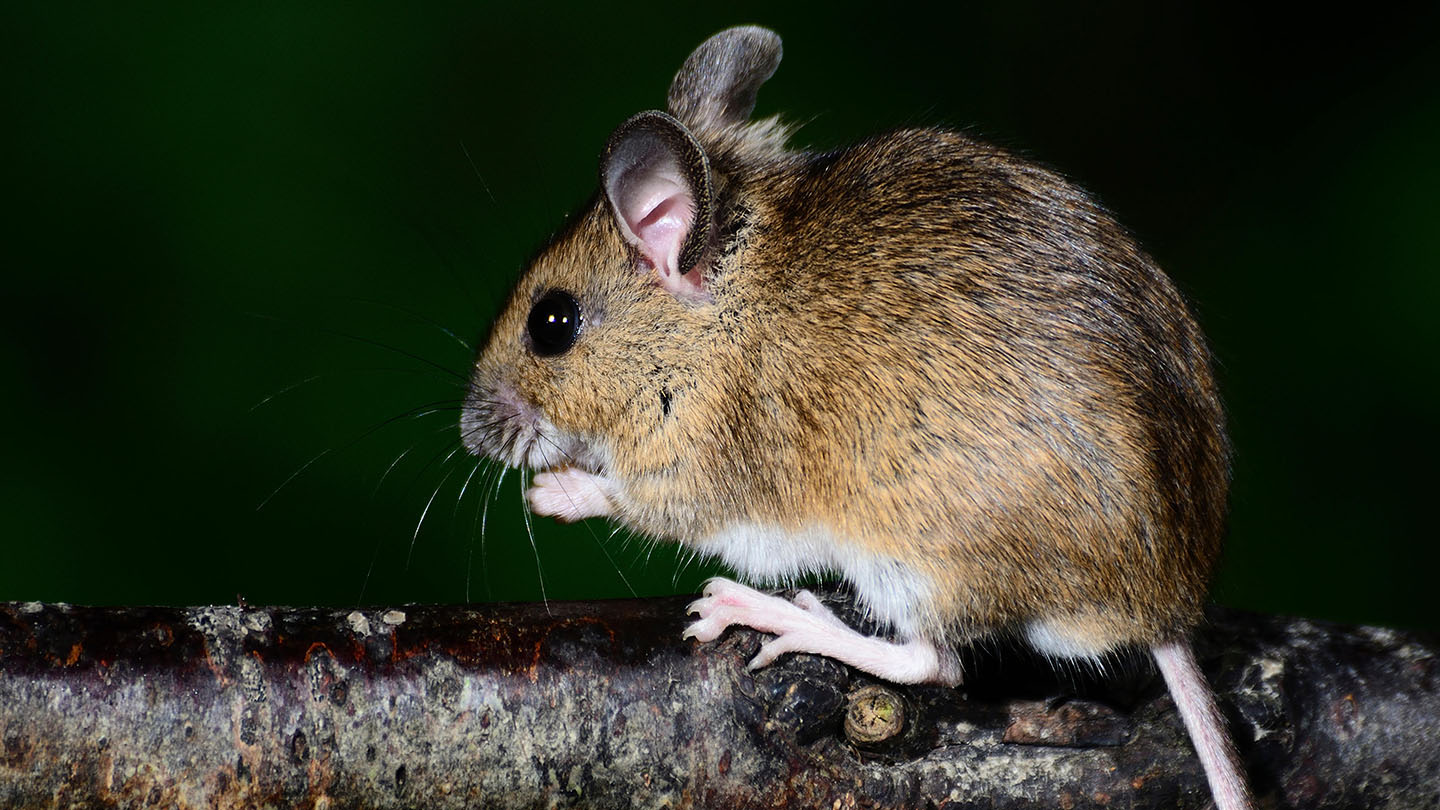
[496,421]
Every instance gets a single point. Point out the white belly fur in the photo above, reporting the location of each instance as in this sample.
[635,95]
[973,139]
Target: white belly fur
[1051,638]
[766,555]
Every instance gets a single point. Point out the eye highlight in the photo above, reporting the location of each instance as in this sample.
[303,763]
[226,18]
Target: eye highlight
[554,323]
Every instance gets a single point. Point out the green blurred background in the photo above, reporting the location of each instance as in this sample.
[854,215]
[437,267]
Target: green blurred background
[216,207]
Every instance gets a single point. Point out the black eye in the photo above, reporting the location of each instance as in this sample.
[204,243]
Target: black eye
[554,323]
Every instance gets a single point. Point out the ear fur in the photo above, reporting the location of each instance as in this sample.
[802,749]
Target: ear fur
[656,178]
[716,86]
[654,171]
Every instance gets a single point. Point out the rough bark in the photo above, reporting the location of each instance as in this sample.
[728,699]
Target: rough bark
[601,704]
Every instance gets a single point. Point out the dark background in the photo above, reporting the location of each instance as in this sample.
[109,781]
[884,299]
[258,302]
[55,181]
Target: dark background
[217,208]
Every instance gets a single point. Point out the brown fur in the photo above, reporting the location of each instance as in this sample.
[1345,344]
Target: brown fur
[923,343]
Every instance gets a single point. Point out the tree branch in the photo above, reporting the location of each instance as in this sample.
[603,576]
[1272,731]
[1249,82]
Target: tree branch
[601,704]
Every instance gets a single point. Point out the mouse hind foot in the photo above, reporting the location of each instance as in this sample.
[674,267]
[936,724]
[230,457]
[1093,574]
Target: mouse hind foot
[807,626]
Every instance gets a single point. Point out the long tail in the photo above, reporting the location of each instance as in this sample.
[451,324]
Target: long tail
[1196,701]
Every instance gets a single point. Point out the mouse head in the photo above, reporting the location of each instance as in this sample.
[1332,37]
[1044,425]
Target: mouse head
[602,340]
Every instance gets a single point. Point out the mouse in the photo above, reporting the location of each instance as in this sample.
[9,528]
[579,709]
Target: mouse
[920,362]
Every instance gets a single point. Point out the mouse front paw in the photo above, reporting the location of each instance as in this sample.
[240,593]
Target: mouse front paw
[568,495]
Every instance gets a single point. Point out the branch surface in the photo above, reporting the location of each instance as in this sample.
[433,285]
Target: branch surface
[602,705]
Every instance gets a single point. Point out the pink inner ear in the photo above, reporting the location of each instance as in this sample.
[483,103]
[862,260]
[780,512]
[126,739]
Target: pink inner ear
[654,206]
[661,230]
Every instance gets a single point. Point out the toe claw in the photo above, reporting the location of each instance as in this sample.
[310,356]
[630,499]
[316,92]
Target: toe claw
[707,629]
[769,651]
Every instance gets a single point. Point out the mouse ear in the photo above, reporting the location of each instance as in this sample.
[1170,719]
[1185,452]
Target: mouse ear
[657,180]
[717,85]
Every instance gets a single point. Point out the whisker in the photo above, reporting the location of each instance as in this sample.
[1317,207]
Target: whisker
[438,453]
[389,469]
[483,427]
[375,554]
[380,540]
[481,463]
[287,389]
[484,520]
[593,536]
[461,497]
[614,565]
[421,522]
[475,169]
[417,225]
[293,476]
[530,531]
[314,377]
[415,413]
[463,379]
[424,319]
